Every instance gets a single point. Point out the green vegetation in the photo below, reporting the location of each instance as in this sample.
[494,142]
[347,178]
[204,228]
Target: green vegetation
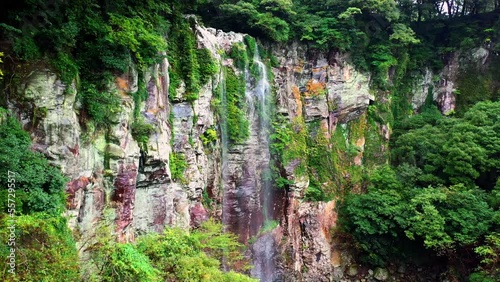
[209,136]
[44,245]
[490,254]
[256,17]
[89,42]
[440,196]
[39,186]
[141,132]
[188,64]
[442,219]
[234,112]
[312,152]
[208,65]
[269,225]
[453,151]
[172,255]
[178,166]
[101,105]
[320,163]
[475,84]
[46,251]
[289,144]
[239,55]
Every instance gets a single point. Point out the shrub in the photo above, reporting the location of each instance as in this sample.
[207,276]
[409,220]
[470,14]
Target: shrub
[174,255]
[208,66]
[314,194]
[26,48]
[101,106]
[45,250]
[66,67]
[39,186]
[209,136]
[239,55]
[183,58]
[178,165]
[135,35]
[141,132]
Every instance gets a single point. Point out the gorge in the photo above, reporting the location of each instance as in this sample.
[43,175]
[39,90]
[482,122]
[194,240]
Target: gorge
[322,163]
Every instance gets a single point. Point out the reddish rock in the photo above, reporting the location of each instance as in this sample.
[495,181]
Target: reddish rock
[75,151]
[72,188]
[124,196]
[198,214]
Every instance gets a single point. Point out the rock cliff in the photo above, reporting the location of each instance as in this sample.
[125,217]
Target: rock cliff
[110,171]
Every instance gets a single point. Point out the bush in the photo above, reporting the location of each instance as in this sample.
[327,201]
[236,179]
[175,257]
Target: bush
[209,136]
[442,219]
[314,194]
[44,246]
[183,58]
[239,55]
[454,150]
[126,263]
[39,186]
[101,106]
[174,255]
[66,67]
[136,35]
[178,165]
[26,48]
[288,143]
[45,250]
[208,66]
[141,132]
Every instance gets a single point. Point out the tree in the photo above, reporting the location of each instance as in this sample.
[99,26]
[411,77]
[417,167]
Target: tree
[455,150]
[45,249]
[39,186]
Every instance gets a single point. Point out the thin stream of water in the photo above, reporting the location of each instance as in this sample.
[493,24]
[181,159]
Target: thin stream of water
[247,189]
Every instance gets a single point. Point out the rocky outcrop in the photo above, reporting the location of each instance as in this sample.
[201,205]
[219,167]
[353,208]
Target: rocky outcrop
[421,89]
[443,85]
[108,169]
[321,87]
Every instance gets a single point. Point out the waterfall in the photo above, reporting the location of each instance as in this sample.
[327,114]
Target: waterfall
[264,247]
[261,101]
[247,190]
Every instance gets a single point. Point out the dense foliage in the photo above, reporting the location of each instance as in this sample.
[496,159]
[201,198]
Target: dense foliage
[39,186]
[174,255]
[453,151]
[233,111]
[45,249]
[89,41]
[441,193]
[43,243]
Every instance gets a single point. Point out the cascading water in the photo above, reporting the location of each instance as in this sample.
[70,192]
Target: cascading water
[264,247]
[248,203]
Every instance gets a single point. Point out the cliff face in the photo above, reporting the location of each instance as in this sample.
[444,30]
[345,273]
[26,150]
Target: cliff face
[111,172]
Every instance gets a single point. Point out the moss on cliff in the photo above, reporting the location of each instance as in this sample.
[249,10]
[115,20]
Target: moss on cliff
[234,110]
[189,65]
